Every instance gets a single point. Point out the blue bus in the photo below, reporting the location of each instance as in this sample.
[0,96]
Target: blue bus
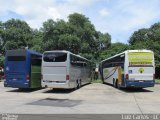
[22,69]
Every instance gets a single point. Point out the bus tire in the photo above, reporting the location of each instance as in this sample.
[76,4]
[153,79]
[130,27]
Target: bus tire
[103,82]
[139,88]
[115,82]
[118,86]
[80,83]
[77,84]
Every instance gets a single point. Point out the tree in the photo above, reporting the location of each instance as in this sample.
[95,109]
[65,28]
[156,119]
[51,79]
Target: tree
[2,61]
[105,40]
[78,20]
[70,43]
[16,33]
[1,35]
[114,49]
[51,33]
[37,41]
[85,31]
[77,35]
[139,36]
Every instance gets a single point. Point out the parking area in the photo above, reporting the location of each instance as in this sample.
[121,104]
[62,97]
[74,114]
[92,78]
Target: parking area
[90,99]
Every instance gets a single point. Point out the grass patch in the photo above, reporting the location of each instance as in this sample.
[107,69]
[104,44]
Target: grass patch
[97,81]
[157,81]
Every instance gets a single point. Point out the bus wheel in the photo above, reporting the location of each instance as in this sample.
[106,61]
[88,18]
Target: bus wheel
[103,82]
[80,83]
[139,88]
[115,82]
[77,84]
[117,85]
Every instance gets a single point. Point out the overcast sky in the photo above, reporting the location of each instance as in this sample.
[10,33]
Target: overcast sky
[120,18]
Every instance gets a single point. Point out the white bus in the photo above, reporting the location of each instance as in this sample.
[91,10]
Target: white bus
[63,69]
[131,68]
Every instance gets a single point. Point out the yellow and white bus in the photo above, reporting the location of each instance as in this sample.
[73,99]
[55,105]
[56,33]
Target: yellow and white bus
[131,68]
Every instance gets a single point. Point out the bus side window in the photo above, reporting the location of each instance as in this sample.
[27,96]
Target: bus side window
[85,64]
[76,61]
[36,60]
[73,60]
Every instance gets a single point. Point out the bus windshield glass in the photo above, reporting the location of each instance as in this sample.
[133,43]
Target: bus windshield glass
[140,58]
[16,58]
[55,57]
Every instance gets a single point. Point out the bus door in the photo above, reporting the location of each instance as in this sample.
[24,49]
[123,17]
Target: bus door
[35,73]
[55,67]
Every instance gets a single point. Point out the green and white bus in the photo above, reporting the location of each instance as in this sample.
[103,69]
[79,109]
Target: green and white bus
[131,68]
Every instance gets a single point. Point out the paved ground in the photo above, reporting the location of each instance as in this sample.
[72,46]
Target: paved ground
[92,98]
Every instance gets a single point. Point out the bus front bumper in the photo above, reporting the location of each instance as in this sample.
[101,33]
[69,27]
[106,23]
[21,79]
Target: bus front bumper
[140,84]
[63,85]
[15,84]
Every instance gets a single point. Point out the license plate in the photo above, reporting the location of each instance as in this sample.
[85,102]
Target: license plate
[141,81]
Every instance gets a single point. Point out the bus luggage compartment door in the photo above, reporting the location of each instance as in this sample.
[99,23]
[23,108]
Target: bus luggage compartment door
[56,73]
[16,74]
[141,73]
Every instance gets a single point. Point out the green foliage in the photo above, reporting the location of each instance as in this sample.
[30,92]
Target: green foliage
[105,40]
[51,33]
[77,35]
[114,49]
[78,20]
[139,36]
[1,35]
[17,34]
[37,41]
[1,60]
[157,81]
[69,42]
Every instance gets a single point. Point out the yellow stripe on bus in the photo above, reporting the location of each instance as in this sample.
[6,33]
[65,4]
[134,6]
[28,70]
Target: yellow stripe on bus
[119,75]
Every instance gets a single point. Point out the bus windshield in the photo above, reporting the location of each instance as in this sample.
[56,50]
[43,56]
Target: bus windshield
[55,57]
[140,58]
[16,58]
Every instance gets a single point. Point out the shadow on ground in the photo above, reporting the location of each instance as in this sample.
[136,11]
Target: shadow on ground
[25,90]
[130,90]
[63,91]
[135,90]
[52,102]
[59,91]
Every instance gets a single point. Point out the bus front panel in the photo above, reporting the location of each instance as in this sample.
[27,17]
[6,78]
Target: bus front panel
[15,69]
[54,70]
[141,69]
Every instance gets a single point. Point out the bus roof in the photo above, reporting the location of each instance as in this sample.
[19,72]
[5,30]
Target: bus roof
[30,51]
[65,51]
[127,51]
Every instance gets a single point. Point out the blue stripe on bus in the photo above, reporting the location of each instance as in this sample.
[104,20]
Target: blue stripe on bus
[16,84]
[137,84]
